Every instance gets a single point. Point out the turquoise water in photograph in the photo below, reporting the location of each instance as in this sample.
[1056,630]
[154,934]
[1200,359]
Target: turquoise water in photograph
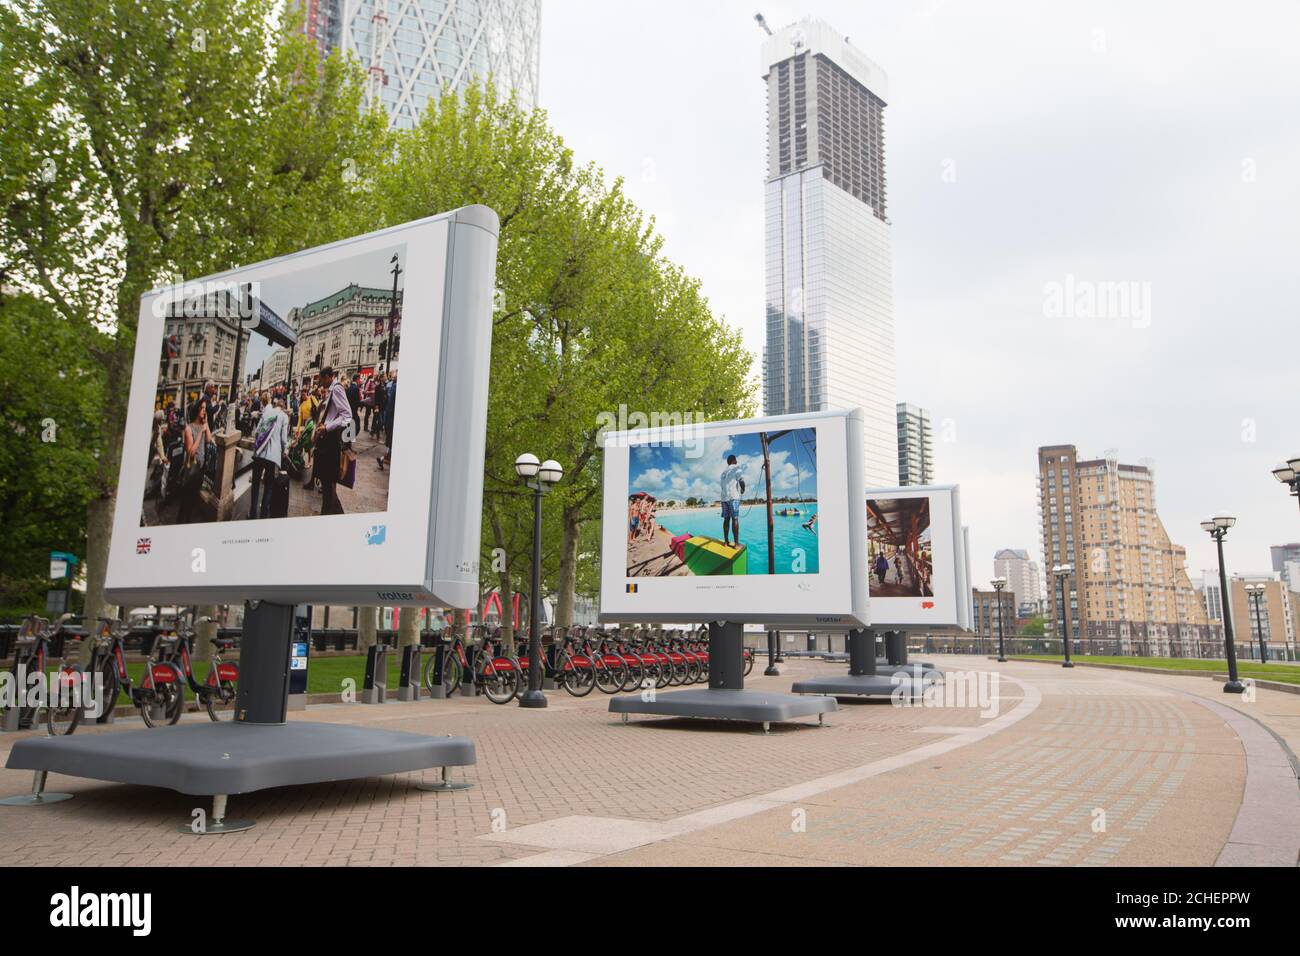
[787,532]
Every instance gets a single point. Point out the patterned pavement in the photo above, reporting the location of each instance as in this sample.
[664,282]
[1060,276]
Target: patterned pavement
[1086,767]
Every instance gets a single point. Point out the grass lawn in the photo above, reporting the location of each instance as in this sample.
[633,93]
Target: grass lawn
[1283,673]
[325,675]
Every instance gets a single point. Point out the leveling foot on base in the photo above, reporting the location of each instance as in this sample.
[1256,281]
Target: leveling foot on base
[218,824]
[38,797]
[444,785]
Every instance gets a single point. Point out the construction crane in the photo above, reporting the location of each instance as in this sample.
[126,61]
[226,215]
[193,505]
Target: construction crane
[759,19]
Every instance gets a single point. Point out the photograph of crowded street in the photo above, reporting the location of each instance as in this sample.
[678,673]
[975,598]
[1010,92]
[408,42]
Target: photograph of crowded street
[278,401]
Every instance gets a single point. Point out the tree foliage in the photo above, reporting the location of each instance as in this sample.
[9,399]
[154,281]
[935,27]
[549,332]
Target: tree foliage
[162,139]
[589,317]
[155,140]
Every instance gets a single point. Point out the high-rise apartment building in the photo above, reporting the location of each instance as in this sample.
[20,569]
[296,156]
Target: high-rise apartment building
[993,610]
[915,446]
[412,49]
[1130,581]
[830,314]
[1274,615]
[1022,577]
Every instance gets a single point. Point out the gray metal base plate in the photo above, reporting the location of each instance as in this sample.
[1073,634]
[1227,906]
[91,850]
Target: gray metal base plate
[34,799]
[756,706]
[227,758]
[866,685]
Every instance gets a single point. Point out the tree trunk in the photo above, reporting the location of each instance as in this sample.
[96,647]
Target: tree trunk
[568,569]
[99,533]
[367,626]
[204,633]
[408,626]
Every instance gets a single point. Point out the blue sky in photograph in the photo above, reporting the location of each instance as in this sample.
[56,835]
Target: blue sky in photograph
[677,472]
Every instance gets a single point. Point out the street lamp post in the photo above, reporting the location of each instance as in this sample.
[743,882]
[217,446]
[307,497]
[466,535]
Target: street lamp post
[1289,474]
[1217,527]
[392,320]
[1063,571]
[998,585]
[1255,593]
[538,477]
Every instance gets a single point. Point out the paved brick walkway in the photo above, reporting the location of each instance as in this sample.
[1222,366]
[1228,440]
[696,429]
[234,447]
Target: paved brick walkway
[881,785]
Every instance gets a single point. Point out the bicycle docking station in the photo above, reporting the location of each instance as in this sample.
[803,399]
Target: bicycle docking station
[725,698]
[374,688]
[868,677]
[257,750]
[437,690]
[408,686]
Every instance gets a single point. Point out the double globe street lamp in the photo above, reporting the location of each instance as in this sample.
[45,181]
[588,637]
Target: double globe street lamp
[539,477]
[1217,527]
[1255,594]
[998,585]
[1289,474]
[1061,572]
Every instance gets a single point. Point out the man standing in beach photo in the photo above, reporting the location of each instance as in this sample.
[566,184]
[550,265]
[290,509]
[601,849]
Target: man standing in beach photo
[733,486]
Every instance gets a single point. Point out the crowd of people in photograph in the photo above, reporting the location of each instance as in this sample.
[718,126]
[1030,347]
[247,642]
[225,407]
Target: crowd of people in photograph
[307,432]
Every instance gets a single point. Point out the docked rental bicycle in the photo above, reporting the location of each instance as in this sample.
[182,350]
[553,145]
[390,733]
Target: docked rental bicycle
[217,693]
[493,675]
[61,714]
[160,697]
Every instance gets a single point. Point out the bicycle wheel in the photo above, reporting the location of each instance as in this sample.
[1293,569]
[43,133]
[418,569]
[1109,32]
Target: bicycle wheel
[110,686]
[216,701]
[499,684]
[162,704]
[633,673]
[610,677]
[63,712]
[749,661]
[692,669]
[579,681]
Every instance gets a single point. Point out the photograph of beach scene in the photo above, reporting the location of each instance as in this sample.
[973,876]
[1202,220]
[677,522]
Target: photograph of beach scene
[900,561]
[743,504]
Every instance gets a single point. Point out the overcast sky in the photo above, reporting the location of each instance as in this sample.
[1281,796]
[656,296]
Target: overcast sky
[1026,143]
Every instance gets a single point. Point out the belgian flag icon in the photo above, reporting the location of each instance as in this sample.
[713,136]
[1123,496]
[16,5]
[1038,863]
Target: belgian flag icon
[631,589]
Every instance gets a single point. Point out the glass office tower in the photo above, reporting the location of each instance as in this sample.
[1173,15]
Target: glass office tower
[411,49]
[830,321]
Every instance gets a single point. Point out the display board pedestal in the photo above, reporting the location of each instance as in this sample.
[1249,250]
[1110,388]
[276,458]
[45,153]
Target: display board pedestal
[245,754]
[867,677]
[726,697]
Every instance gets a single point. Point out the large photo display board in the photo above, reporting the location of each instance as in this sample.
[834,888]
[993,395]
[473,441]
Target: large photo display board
[916,560]
[741,521]
[267,455]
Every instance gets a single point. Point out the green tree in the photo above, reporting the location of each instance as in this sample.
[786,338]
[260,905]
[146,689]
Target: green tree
[48,394]
[159,139]
[590,317]
[1034,627]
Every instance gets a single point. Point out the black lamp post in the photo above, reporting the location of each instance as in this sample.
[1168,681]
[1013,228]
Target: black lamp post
[1255,593]
[392,318]
[1063,571]
[1217,527]
[998,585]
[1289,474]
[538,477]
